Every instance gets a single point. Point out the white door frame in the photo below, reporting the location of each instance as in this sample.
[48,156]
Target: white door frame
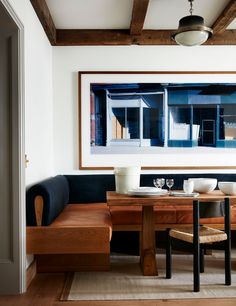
[19,230]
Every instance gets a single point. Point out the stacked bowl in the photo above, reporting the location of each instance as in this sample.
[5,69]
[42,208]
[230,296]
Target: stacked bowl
[204,185]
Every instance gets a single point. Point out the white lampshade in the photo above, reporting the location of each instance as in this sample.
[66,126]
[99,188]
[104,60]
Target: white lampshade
[191,38]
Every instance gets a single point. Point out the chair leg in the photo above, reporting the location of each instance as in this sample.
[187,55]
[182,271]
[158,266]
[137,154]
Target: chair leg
[196,269]
[196,248]
[227,264]
[227,244]
[202,260]
[168,255]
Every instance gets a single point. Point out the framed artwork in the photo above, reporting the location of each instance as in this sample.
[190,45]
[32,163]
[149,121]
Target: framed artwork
[157,120]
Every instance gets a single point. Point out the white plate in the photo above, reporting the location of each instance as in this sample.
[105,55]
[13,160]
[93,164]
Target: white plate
[147,191]
[183,194]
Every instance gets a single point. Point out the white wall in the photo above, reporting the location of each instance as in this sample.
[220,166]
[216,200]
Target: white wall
[67,61]
[38,94]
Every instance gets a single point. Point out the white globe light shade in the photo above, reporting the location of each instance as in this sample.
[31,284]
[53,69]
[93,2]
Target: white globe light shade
[191,38]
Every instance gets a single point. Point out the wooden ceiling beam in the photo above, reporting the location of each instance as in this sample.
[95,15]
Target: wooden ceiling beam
[138,16]
[44,15]
[122,37]
[112,38]
[225,18]
[228,37]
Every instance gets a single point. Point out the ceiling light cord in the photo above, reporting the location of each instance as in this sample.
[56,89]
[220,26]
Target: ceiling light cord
[191,7]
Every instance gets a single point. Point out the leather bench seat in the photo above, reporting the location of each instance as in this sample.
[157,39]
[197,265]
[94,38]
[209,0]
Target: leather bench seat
[84,215]
[77,240]
[184,215]
[127,215]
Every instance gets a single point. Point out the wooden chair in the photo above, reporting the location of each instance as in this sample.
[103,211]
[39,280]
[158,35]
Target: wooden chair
[199,236]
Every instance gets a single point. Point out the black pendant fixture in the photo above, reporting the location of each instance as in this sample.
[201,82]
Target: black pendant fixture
[192,31]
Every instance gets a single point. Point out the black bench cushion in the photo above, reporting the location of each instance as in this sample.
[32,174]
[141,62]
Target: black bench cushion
[55,193]
[76,189]
[90,188]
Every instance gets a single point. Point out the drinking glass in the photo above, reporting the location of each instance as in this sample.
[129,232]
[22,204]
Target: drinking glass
[170,183]
[188,186]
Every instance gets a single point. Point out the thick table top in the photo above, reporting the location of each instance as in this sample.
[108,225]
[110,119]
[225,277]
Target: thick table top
[116,199]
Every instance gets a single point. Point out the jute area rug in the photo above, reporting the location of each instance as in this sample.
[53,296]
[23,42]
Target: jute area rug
[125,281]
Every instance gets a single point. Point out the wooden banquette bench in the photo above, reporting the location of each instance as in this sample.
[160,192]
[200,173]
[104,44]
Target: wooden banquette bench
[64,236]
[69,225]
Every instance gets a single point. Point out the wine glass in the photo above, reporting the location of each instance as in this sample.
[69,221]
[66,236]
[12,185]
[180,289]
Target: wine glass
[170,183]
[158,183]
[162,182]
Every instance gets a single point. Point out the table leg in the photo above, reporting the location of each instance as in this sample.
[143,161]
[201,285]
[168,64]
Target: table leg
[147,249]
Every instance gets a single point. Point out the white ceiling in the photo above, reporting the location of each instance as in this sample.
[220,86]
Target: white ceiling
[165,14]
[91,14]
[116,14]
[232,25]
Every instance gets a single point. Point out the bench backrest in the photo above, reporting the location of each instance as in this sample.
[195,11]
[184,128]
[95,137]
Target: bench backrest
[92,187]
[48,198]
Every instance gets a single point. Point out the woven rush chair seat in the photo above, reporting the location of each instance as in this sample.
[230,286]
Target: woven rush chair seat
[206,234]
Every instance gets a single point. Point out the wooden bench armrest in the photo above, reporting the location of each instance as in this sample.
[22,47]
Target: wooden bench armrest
[38,208]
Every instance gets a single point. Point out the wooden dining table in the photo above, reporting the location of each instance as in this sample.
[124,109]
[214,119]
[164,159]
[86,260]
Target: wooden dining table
[147,242]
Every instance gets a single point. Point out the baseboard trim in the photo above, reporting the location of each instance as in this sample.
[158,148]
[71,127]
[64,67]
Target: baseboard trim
[31,273]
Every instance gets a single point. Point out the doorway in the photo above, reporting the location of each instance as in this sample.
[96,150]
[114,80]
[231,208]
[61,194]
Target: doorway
[12,185]
[208,132]
[205,116]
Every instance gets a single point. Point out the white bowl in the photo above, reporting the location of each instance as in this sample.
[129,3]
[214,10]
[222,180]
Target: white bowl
[204,185]
[227,187]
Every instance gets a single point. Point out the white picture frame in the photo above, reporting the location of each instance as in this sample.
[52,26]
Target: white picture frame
[163,157]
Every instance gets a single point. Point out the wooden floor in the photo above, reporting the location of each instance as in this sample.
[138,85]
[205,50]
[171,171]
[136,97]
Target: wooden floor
[45,290]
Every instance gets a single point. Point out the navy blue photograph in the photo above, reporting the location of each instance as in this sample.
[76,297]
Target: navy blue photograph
[150,115]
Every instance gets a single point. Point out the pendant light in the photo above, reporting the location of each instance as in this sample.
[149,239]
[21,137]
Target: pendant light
[192,31]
